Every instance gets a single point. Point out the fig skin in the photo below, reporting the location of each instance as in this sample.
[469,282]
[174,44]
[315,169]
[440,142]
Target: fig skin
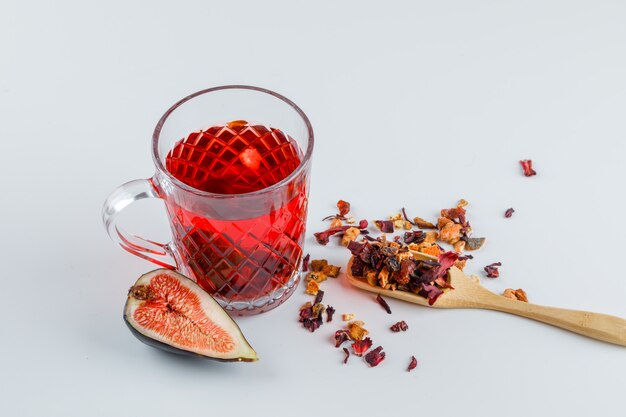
[140,291]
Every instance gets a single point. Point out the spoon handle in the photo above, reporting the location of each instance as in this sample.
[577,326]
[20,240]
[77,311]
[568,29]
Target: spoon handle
[599,326]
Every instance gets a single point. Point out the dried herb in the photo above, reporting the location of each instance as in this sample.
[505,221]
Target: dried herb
[375,356]
[305,262]
[356,330]
[347,352]
[412,364]
[406,217]
[331,271]
[324,237]
[431,293]
[330,311]
[344,207]
[527,166]
[414,236]
[509,213]
[359,347]
[318,264]
[492,270]
[341,336]
[385,226]
[319,297]
[383,303]
[400,326]
[473,243]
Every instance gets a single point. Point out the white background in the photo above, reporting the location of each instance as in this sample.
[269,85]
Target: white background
[413,103]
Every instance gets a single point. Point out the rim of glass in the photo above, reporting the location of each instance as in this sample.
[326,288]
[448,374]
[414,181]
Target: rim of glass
[157,133]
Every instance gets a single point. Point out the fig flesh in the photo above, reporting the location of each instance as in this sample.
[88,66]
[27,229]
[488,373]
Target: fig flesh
[169,311]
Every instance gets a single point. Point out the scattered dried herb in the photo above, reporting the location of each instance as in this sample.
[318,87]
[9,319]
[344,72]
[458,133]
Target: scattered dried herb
[319,297]
[347,352]
[347,317]
[492,270]
[400,326]
[318,264]
[356,330]
[341,336]
[406,217]
[305,262]
[383,303]
[344,207]
[412,364]
[385,226]
[359,347]
[527,166]
[375,356]
[509,212]
[330,311]
[312,287]
[474,243]
[518,294]
[324,237]
[331,271]
[414,236]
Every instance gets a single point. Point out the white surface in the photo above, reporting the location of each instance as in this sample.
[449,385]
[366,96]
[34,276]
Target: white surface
[416,104]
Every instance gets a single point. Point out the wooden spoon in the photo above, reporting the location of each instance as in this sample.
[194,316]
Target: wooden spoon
[468,293]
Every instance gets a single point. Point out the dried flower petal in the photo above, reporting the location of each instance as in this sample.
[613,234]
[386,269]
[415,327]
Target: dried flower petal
[527,166]
[305,262]
[319,297]
[312,324]
[431,293]
[400,326]
[474,243]
[341,336]
[509,212]
[385,226]
[330,311]
[347,352]
[383,303]
[492,270]
[415,236]
[344,207]
[406,217]
[412,364]
[359,347]
[374,357]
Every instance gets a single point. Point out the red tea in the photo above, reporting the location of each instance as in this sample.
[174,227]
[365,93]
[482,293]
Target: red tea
[242,258]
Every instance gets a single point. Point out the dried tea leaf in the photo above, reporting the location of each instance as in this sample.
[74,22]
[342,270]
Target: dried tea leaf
[315,276]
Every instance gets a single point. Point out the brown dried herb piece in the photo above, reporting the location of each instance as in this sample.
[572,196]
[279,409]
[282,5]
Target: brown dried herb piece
[412,364]
[344,207]
[423,224]
[400,326]
[331,271]
[319,297]
[509,212]
[330,311]
[375,356]
[518,294]
[492,270]
[474,243]
[356,330]
[462,203]
[385,226]
[341,336]
[383,303]
[305,262]
[527,167]
[318,264]
[312,287]
[359,347]
[347,352]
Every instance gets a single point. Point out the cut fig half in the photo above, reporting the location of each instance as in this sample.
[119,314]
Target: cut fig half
[169,311]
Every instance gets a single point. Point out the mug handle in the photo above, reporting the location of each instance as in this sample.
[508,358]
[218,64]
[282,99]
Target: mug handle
[118,200]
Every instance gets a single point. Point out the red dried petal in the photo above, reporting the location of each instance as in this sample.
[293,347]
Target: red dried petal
[385,226]
[312,324]
[319,297]
[400,326]
[492,270]
[330,310]
[430,292]
[347,352]
[412,364]
[305,262]
[415,236]
[445,260]
[344,207]
[383,303]
[406,217]
[341,336]
[527,166]
[374,357]
[509,213]
[359,347]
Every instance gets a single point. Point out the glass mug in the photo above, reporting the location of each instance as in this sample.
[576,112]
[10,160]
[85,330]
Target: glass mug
[232,166]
